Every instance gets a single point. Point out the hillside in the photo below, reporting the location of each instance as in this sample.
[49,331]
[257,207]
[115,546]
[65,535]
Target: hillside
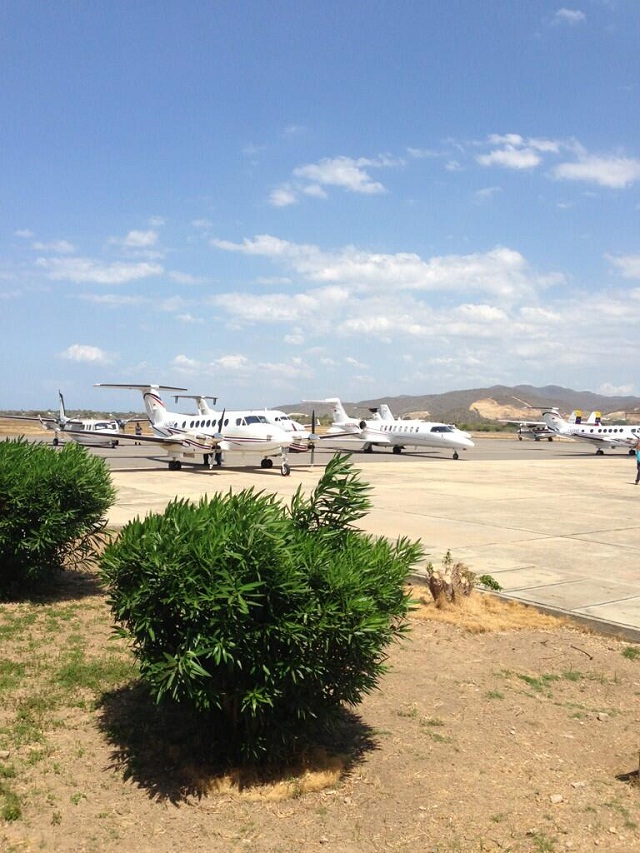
[520,402]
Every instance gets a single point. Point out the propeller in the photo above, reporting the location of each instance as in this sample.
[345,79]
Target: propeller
[218,434]
[313,437]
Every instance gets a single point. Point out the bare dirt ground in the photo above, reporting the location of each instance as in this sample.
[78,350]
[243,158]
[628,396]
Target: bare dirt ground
[497,728]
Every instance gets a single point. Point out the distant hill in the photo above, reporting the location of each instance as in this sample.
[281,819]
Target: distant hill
[478,405]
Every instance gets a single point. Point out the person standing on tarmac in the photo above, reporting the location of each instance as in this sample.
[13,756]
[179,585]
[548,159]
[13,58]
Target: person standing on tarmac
[637,461]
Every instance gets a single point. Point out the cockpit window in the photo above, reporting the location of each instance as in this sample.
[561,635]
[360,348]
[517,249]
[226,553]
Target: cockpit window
[441,428]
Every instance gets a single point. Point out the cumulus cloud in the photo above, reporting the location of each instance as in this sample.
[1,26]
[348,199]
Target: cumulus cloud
[140,239]
[86,270]
[501,270]
[85,353]
[614,172]
[351,174]
[512,151]
[62,247]
[569,16]
[628,265]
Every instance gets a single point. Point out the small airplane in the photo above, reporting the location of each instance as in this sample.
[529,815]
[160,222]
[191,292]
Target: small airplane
[208,433]
[89,431]
[301,440]
[539,429]
[385,430]
[593,431]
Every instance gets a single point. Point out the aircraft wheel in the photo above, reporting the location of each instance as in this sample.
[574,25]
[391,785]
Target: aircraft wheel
[114,443]
[55,442]
[266,463]
[455,454]
[549,438]
[519,438]
[397,448]
[599,452]
[285,469]
[632,452]
[175,465]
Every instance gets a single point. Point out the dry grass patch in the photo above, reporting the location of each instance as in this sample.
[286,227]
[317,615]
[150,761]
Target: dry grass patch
[482,612]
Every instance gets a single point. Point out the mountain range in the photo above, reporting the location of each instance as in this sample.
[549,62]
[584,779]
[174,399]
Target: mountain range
[478,405]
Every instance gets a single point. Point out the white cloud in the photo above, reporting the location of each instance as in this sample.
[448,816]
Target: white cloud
[283,197]
[112,300]
[345,172]
[628,265]
[186,365]
[63,247]
[500,271]
[140,239]
[24,233]
[189,318]
[85,270]
[615,390]
[232,362]
[85,353]
[613,172]
[510,157]
[569,16]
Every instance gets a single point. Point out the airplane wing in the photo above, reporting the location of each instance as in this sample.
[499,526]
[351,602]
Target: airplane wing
[206,443]
[523,423]
[47,423]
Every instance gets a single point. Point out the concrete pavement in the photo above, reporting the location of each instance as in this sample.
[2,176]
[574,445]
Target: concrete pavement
[557,530]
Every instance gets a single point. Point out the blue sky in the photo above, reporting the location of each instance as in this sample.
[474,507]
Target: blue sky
[271,201]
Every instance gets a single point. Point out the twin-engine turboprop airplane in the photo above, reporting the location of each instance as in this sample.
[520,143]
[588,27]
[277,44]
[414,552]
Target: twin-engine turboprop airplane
[89,431]
[386,431]
[186,436]
[302,438]
[593,431]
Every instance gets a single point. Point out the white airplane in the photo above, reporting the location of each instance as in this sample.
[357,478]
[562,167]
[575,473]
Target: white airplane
[593,431]
[186,436]
[539,429]
[385,430]
[90,431]
[301,438]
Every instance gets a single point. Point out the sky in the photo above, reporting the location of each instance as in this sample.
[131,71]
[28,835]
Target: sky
[281,200]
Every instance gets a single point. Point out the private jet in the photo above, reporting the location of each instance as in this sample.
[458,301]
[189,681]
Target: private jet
[384,430]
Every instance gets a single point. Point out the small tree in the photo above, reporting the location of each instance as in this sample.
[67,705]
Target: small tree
[263,618]
[52,508]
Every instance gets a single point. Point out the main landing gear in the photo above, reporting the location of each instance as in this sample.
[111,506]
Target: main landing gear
[285,468]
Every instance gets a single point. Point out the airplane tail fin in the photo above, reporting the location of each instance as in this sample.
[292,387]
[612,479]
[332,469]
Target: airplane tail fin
[554,421]
[385,412]
[595,418]
[575,417]
[153,403]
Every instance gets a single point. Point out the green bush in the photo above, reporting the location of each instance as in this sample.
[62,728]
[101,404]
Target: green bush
[264,619]
[52,507]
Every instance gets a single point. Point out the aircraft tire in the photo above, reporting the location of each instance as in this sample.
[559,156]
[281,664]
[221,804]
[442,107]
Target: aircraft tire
[175,465]
[266,463]
[455,454]
[285,470]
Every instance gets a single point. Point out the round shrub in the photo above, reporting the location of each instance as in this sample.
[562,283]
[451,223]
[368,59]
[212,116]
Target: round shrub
[263,618]
[52,508]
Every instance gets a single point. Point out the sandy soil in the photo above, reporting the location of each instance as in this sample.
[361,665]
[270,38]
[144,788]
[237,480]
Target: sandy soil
[497,728]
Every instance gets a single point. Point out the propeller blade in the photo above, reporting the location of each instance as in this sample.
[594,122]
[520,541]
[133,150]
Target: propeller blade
[313,437]
[219,435]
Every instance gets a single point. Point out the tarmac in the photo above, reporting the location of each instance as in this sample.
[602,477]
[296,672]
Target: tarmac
[556,526]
